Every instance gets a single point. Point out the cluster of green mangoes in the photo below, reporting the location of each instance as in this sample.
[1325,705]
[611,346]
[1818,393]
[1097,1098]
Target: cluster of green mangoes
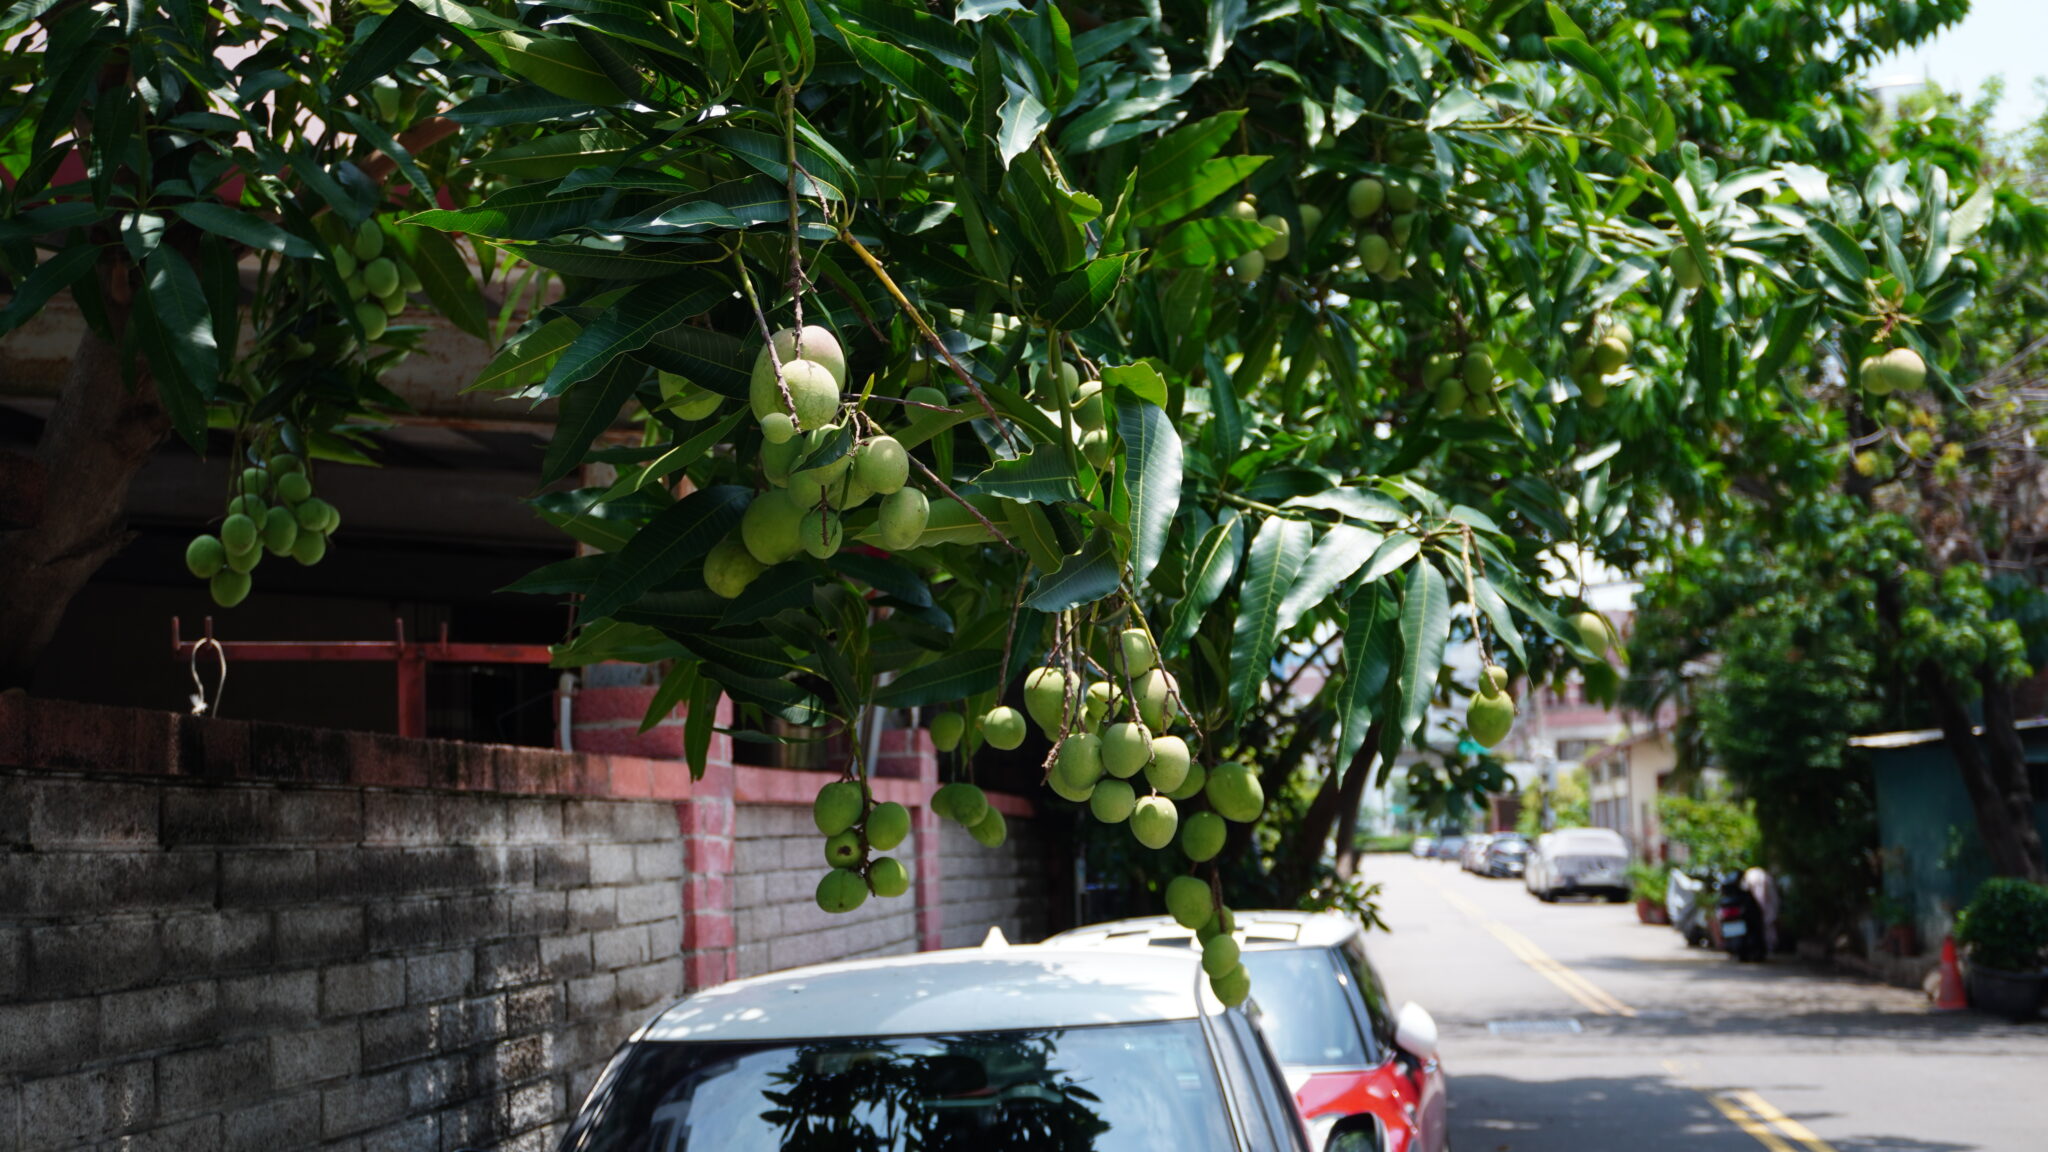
[1463,384]
[376,275]
[1383,248]
[1082,399]
[1193,905]
[273,510]
[1607,349]
[1491,714]
[854,827]
[819,462]
[1249,266]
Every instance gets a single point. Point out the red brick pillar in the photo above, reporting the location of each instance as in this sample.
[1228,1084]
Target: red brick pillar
[706,820]
[606,713]
[908,753]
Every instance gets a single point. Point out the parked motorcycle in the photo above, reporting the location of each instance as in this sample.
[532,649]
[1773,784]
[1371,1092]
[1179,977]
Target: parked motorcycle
[1687,907]
[1742,921]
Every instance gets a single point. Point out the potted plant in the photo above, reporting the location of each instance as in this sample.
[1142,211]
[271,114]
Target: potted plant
[1896,914]
[2004,932]
[1647,883]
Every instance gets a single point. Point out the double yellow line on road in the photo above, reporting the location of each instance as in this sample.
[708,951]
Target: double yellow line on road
[1759,1118]
[1590,996]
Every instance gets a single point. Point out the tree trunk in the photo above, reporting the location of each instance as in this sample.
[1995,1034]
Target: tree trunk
[2005,825]
[2007,759]
[1306,844]
[98,437]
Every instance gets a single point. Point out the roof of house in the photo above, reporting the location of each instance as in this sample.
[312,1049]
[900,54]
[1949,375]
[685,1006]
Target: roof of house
[1255,929]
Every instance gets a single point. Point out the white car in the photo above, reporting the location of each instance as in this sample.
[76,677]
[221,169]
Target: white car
[992,1049]
[1578,860]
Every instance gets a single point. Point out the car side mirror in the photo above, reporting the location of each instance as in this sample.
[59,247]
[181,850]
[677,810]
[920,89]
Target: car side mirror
[1415,1032]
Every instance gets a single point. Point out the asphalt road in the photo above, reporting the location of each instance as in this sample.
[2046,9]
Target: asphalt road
[1570,1027]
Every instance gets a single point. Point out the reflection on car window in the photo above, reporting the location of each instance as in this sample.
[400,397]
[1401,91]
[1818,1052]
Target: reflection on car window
[1370,988]
[1126,1088]
[1306,1018]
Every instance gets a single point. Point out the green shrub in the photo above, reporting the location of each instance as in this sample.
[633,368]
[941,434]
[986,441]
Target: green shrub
[1647,881]
[2006,925]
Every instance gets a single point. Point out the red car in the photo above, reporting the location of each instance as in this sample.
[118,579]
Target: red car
[1366,1078]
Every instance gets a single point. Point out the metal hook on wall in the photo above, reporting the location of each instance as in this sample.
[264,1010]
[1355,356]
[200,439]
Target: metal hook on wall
[200,705]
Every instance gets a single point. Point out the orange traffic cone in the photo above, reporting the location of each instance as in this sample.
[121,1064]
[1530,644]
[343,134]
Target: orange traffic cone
[1951,998]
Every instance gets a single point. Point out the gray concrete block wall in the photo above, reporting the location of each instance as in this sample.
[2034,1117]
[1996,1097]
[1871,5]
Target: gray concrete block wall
[778,856]
[192,966]
[980,888]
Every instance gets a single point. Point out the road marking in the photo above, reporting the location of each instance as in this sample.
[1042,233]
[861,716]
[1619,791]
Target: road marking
[1755,1115]
[1591,996]
[1769,1114]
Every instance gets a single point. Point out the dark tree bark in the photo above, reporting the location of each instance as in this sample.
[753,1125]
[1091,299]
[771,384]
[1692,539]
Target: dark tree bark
[1994,773]
[1340,792]
[98,437]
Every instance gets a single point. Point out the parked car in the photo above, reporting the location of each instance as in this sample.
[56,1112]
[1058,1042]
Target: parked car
[1507,855]
[1447,848]
[1571,861]
[994,1048]
[1421,845]
[1364,1075]
[1473,856]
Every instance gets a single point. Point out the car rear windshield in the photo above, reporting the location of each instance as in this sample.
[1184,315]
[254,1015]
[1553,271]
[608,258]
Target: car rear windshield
[1118,1088]
[1304,1011]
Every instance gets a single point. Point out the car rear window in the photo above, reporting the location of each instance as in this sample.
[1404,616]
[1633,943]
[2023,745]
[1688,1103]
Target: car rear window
[1306,1012]
[1114,1088]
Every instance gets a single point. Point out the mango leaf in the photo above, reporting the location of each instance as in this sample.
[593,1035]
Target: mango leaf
[179,303]
[676,685]
[1152,476]
[1497,615]
[586,411]
[1022,119]
[521,212]
[1392,553]
[243,228]
[446,278]
[1370,652]
[562,578]
[404,30]
[656,306]
[1141,380]
[1589,60]
[1276,557]
[1211,179]
[1041,476]
[1210,569]
[1425,627]
[906,73]
[1083,293]
[697,726]
[1361,504]
[1211,240]
[556,63]
[681,456]
[953,677]
[1342,551]
[680,534]
[50,277]
[1166,166]
[526,359]
[1839,254]
[1083,578]
[560,154]
[1971,216]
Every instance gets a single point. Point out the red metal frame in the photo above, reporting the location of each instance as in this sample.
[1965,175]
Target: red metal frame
[411,658]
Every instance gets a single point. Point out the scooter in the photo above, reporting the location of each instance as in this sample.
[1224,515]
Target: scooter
[1686,907]
[1742,921]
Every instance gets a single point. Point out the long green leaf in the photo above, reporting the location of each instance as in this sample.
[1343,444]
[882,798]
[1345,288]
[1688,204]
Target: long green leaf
[1370,651]
[1425,627]
[1212,179]
[658,551]
[446,278]
[243,228]
[1210,569]
[1166,166]
[1276,558]
[650,308]
[953,677]
[179,302]
[586,411]
[52,276]
[404,30]
[1041,476]
[1342,551]
[1083,578]
[1152,476]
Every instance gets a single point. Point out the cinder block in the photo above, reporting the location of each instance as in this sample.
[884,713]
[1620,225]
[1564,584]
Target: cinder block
[437,1083]
[198,1134]
[392,926]
[48,1036]
[17,794]
[13,962]
[593,908]
[418,1134]
[398,1037]
[620,948]
[311,935]
[532,821]
[522,1058]
[611,863]
[565,956]
[470,819]
[643,902]
[94,957]
[75,813]
[441,976]
[651,984]
[10,1118]
[308,1056]
[665,936]
[472,916]
[272,1125]
[507,964]
[358,989]
[561,865]
[264,878]
[533,913]
[407,819]
[660,861]
[272,1000]
[204,1079]
[362,1104]
[530,1106]
[59,1110]
[216,942]
[160,1017]
[593,996]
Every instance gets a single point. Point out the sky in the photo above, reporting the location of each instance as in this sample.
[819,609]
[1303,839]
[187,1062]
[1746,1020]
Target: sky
[1998,37]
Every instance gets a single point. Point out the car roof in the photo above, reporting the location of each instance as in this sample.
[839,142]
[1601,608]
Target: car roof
[1585,836]
[1258,928]
[990,989]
